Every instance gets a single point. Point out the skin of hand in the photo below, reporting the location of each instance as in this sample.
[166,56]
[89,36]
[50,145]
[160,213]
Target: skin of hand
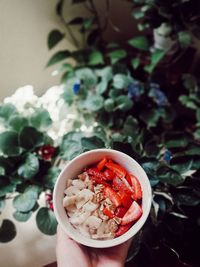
[71,254]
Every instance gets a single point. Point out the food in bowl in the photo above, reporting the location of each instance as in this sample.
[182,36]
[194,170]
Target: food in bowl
[103,201]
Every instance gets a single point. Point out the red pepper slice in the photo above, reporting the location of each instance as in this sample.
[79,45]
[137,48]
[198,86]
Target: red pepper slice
[123,229]
[113,196]
[101,164]
[120,212]
[126,199]
[108,212]
[120,185]
[132,214]
[136,186]
[95,172]
[117,169]
[109,174]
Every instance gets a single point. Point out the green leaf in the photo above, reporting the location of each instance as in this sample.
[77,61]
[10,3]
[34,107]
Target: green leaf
[96,58]
[121,81]
[167,175]
[181,164]
[70,149]
[109,105]
[9,144]
[156,57]
[116,55]
[184,39]
[40,119]
[138,14]
[2,171]
[187,199]
[25,202]
[101,87]
[89,143]
[22,216]
[2,204]
[17,122]
[123,102]
[30,138]
[176,140]
[87,75]
[7,231]
[71,145]
[54,37]
[6,186]
[87,24]
[30,167]
[46,221]
[131,126]
[7,110]
[51,177]
[57,57]
[92,102]
[187,102]
[150,117]
[135,63]
[106,73]
[140,42]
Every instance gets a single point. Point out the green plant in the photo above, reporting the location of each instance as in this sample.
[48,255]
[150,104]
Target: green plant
[122,103]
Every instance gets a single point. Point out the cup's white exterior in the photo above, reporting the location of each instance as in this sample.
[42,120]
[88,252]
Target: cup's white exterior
[75,167]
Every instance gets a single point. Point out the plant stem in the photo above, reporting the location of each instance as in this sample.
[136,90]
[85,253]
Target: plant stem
[75,42]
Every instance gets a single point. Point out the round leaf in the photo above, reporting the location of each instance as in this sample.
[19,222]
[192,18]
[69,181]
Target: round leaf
[22,216]
[29,138]
[30,167]
[40,119]
[17,122]
[7,231]
[7,110]
[9,144]
[46,221]
[109,105]
[24,202]
[124,102]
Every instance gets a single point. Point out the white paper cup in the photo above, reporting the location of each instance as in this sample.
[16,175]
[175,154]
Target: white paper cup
[75,167]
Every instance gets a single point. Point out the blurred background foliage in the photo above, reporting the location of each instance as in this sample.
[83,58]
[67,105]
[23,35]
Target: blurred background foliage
[139,95]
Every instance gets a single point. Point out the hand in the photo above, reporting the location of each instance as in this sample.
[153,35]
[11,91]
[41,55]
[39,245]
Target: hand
[71,254]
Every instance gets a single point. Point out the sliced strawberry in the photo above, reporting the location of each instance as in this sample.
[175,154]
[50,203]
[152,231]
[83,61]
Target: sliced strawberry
[126,199]
[117,169]
[128,178]
[133,213]
[95,172]
[120,211]
[99,181]
[101,164]
[136,187]
[108,212]
[109,174]
[122,185]
[113,196]
[123,229]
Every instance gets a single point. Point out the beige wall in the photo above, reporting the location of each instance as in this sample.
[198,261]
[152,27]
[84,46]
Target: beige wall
[24,26]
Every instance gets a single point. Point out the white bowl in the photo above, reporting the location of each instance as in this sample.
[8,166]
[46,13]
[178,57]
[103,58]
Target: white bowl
[75,167]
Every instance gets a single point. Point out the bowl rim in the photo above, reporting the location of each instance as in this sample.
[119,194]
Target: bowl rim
[110,242]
